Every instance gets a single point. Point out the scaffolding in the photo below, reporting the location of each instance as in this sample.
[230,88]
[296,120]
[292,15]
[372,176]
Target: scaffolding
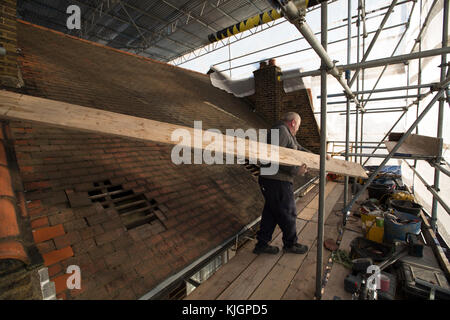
[354,73]
[438,89]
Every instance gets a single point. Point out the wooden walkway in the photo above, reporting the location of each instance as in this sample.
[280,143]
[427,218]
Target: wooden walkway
[282,276]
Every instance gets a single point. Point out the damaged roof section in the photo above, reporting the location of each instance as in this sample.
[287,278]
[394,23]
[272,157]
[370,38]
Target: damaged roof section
[191,209]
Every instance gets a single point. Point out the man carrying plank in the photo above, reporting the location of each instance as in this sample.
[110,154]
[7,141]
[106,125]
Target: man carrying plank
[277,189]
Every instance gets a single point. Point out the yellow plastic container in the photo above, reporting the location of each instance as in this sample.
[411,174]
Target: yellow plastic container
[373,229]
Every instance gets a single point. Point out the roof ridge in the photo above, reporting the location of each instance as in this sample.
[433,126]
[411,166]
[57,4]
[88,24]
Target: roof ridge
[10,245]
[107,47]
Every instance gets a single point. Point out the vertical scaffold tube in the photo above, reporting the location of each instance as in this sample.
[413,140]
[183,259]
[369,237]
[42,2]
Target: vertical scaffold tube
[323,152]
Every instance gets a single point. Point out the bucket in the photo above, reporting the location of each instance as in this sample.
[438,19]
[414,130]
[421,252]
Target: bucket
[394,230]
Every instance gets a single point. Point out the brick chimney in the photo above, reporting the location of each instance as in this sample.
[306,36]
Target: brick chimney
[9,70]
[271,102]
[268,91]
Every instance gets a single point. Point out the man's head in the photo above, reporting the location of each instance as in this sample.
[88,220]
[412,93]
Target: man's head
[293,121]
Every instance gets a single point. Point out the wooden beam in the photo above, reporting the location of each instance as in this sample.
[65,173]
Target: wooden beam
[433,242]
[250,278]
[228,273]
[287,277]
[335,285]
[60,114]
[417,145]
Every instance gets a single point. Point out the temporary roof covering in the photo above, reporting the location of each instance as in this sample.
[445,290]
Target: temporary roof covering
[160,29]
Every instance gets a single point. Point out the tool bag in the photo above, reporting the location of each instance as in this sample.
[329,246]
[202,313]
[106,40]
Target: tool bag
[365,248]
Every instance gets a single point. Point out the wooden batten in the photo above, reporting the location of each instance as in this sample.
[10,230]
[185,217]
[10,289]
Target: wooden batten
[430,237]
[417,145]
[60,114]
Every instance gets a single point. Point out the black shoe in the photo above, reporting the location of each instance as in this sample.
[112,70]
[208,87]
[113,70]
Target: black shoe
[266,249]
[296,248]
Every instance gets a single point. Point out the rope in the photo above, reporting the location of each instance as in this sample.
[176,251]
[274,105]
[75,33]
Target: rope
[342,257]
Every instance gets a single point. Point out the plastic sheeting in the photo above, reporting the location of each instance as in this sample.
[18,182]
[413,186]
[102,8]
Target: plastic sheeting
[246,87]
[239,88]
[375,125]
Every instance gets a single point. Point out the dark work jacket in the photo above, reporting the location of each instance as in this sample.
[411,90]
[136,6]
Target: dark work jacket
[287,140]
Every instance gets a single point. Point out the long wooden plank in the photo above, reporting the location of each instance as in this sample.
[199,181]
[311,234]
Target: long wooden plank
[330,202]
[328,188]
[417,145]
[432,240]
[216,284]
[60,114]
[307,213]
[311,209]
[302,282]
[250,278]
[335,285]
[279,278]
[332,225]
[213,287]
[303,285]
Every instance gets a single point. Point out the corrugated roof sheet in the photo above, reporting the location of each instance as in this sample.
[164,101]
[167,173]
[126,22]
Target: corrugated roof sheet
[163,29]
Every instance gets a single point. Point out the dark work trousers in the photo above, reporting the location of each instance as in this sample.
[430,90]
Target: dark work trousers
[279,208]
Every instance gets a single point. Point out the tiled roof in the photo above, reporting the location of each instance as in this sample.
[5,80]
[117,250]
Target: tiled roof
[198,205]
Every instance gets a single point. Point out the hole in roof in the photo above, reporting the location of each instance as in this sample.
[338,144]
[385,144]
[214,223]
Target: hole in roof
[94,192]
[134,209]
[115,188]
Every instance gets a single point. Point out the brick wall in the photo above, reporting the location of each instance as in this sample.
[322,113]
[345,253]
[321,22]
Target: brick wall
[300,102]
[268,96]
[271,102]
[9,72]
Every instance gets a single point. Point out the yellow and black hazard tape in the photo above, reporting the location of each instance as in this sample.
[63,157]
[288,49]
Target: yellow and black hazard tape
[257,20]
[245,25]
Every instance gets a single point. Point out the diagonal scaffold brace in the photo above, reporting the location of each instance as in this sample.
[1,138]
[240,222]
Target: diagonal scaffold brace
[441,89]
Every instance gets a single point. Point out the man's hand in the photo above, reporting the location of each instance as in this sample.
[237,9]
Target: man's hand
[302,170]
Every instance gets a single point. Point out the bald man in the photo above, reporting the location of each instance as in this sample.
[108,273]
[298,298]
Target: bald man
[277,189]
